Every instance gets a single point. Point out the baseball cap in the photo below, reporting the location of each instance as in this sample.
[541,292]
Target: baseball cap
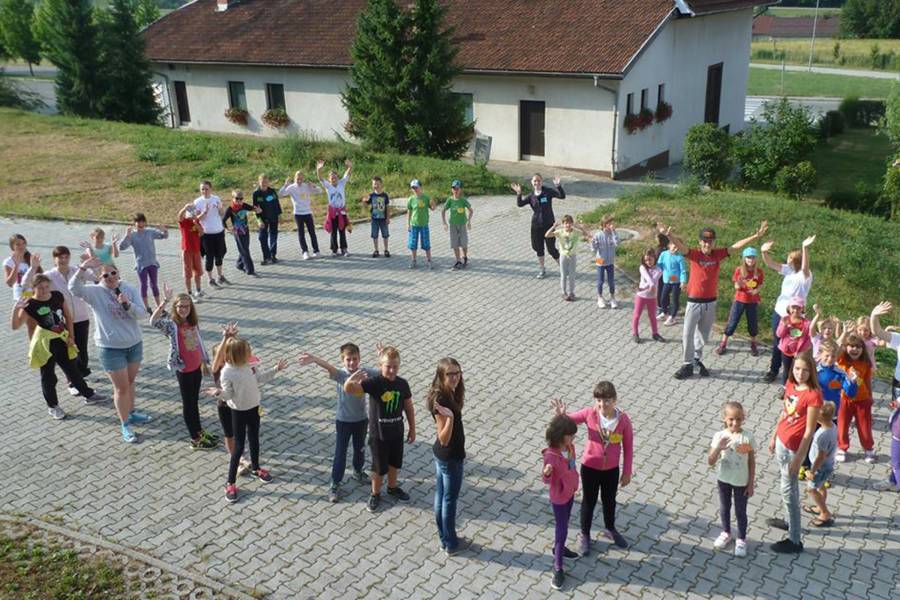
[456,183]
[707,233]
[749,252]
[415,183]
[797,301]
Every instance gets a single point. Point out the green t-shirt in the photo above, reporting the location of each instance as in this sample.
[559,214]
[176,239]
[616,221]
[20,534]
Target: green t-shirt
[568,241]
[457,209]
[419,208]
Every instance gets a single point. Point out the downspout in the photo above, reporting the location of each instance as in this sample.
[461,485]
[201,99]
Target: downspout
[168,97]
[615,131]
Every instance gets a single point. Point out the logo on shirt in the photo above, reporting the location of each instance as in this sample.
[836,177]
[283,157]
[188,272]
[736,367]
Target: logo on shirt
[391,400]
[790,405]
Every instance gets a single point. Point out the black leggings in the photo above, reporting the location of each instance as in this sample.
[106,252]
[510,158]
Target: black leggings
[335,233]
[59,354]
[606,483]
[214,249]
[246,424]
[538,241]
[82,334]
[306,220]
[189,384]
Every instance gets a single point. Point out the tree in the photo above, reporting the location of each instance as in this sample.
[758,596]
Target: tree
[146,12]
[871,18]
[128,89]
[16,18]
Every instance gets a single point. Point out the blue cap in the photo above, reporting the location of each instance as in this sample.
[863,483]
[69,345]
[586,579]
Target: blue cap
[749,252]
[415,183]
[456,183]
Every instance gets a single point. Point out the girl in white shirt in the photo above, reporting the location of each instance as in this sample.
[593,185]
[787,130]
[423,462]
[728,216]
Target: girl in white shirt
[300,192]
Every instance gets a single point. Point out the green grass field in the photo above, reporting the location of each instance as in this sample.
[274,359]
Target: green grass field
[767,82]
[857,155]
[800,11]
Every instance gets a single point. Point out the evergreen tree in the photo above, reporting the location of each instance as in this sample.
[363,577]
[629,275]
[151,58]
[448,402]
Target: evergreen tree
[146,12]
[128,89]
[68,38]
[871,18]
[16,17]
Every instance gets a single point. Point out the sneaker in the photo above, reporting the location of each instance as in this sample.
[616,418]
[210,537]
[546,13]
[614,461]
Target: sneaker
[315,254]
[372,504]
[617,538]
[57,413]
[569,554]
[601,303]
[541,274]
[195,296]
[255,274]
[841,456]
[658,338]
[462,544]
[231,492]
[262,475]
[636,338]
[769,377]
[212,282]
[754,349]
[333,494]
[660,314]
[684,372]
[128,436]
[73,391]
[584,547]
[137,417]
[360,477]
[209,436]
[376,254]
[885,485]
[200,294]
[569,297]
[740,548]
[412,264]
[202,443]
[334,255]
[558,578]
[274,262]
[223,280]
[387,254]
[777,524]
[244,467]
[786,546]
[870,457]
[720,349]
[345,253]
[704,372]
[95,399]
[723,540]
[456,266]
[305,256]
[465,262]
[669,322]
[613,303]
[430,266]
[399,494]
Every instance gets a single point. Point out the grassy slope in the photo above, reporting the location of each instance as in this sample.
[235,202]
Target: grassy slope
[767,82]
[79,168]
[853,156]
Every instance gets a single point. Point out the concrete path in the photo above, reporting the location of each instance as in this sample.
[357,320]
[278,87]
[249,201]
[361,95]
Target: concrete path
[830,71]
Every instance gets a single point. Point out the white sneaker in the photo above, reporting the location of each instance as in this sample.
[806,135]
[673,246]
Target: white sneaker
[740,548]
[201,294]
[306,256]
[601,303]
[73,391]
[871,457]
[412,264]
[723,540]
[57,413]
[841,456]
[613,303]
[541,274]
[669,321]
[885,485]
[315,255]
[194,296]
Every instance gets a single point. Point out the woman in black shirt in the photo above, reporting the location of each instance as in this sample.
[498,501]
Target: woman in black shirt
[541,202]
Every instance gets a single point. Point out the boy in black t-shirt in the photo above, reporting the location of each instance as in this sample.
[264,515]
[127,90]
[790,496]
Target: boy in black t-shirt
[389,398]
[380,206]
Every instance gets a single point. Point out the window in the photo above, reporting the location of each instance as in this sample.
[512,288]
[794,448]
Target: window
[629,104]
[237,98]
[274,96]
[644,93]
[181,101]
[661,93]
[468,107]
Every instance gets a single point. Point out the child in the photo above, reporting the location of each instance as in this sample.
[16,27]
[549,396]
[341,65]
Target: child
[191,261]
[337,221]
[389,398]
[17,264]
[351,418]
[864,331]
[60,276]
[143,240]
[567,234]
[748,279]
[188,358]
[268,210]
[645,297]
[460,223]
[418,205]
[98,249]
[833,380]
[733,453]
[821,455]
[822,330]
[604,245]
[239,388]
[223,410]
[209,211]
[793,333]
[892,339]
[560,474]
[300,192]
[609,438]
[674,278]
[237,213]
[380,211]
[856,363]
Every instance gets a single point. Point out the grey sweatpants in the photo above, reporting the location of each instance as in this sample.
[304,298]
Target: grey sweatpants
[699,318]
[567,274]
[790,490]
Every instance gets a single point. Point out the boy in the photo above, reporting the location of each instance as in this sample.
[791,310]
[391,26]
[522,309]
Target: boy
[821,454]
[191,263]
[460,223]
[96,248]
[60,276]
[266,200]
[604,245]
[143,241]
[389,397]
[379,205]
[337,221]
[832,378]
[418,207]
[568,239]
[351,420]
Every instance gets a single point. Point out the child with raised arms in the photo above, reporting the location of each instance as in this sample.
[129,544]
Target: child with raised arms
[560,474]
[301,192]
[142,240]
[748,279]
[567,234]
[855,362]
[645,296]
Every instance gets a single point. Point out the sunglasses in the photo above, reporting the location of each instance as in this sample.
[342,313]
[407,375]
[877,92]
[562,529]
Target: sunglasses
[238,197]
[109,274]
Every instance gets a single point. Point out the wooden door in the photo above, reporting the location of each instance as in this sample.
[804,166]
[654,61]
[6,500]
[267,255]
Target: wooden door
[713,93]
[531,129]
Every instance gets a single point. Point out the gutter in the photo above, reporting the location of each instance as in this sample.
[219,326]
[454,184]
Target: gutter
[615,121]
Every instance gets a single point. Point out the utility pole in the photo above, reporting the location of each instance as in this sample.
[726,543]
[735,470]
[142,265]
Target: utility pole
[812,44]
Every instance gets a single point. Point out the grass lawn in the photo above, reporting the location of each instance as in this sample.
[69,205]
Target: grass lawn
[767,82]
[849,280]
[853,156]
[70,168]
[800,11]
[851,53]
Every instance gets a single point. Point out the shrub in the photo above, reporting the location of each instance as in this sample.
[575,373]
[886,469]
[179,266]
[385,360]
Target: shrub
[849,107]
[276,117]
[797,180]
[889,124]
[861,113]
[663,111]
[238,116]
[836,122]
[708,154]
[891,190]
[865,198]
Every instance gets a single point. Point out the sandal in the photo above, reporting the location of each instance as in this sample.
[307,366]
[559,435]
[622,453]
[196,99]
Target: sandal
[820,523]
[809,508]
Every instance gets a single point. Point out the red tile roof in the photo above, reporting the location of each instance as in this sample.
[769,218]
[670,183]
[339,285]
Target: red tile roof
[544,36]
[705,7]
[796,27]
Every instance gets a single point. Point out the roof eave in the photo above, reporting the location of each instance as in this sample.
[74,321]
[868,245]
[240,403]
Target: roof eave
[665,21]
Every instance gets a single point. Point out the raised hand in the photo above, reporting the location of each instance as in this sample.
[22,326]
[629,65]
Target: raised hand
[281,365]
[35,261]
[167,293]
[516,188]
[348,163]
[558,406]
[763,228]
[305,359]
[767,246]
[816,309]
[90,263]
[723,443]
[85,245]
[22,303]
[808,241]
[882,308]
[129,230]
[229,330]
[557,181]
[320,164]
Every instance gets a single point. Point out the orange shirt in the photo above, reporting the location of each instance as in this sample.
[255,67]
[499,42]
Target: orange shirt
[863,368]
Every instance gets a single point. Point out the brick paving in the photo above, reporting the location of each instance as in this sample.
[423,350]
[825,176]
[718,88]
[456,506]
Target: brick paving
[519,344]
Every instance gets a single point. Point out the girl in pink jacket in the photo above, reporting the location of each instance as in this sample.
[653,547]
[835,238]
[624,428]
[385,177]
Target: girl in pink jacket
[793,334]
[610,439]
[560,474]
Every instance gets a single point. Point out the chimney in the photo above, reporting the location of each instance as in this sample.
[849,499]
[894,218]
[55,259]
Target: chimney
[222,5]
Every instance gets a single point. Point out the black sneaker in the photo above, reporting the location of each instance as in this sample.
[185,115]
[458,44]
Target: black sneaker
[704,372]
[231,493]
[786,546]
[465,262]
[387,254]
[558,578]
[376,254]
[636,338]
[361,477]
[684,372]
[777,524]
[333,494]
[399,494]
[222,279]
[617,538]
[462,544]
[658,337]
[274,261]
[212,283]
[769,377]
[569,554]
[372,504]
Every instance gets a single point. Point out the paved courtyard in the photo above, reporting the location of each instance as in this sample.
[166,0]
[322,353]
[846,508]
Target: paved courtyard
[519,345]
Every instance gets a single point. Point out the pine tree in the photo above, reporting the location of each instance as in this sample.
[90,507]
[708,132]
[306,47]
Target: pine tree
[16,17]
[146,12]
[68,38]
[128,89]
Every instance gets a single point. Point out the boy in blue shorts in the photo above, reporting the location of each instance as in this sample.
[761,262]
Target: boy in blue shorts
[379,205]
[419,206]
[821,453]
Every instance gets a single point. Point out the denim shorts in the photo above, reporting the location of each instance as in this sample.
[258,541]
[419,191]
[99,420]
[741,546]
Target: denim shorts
[821,476]
[116,359]
[380,225]
[419,232]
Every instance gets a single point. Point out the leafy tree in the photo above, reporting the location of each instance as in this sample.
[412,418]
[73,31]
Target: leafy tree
[708,154]
[146,12]
[871,18]
[11,94]
[16,17]
[783,136]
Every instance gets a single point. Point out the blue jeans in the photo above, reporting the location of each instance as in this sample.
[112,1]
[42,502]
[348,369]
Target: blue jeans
[734,317]
[268,238]
[446,493]
[345,431]
[790,491]
[775,364]
[608,273]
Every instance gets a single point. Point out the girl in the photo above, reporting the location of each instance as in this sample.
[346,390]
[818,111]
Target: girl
[822,330]
[604,245]
[854,361]
[560,474]
[53,342]
[445,404]
[188,358]
[793,334]
[646,295]
[864,331]
[790,442]
[223,410]
[610,436]
[891,338]
[239,388]
[143,240]
[300,192]
[568,234]
[337,222]
[237,213]
[209,210]
[268,211]
[98,249]
[732,452]
[674,280]
[541,202]
[17,264]
[60,276]
[748,279]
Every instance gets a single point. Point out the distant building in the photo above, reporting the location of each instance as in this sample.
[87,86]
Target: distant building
[767,27]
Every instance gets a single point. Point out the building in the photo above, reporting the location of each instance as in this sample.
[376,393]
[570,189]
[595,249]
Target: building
[557,82]
[767,27]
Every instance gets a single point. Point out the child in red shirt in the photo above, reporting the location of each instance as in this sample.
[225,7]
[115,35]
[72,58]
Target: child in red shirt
[748,279]
[189,225]
[854,359]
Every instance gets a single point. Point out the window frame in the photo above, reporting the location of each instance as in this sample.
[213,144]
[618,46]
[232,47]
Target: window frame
[234,99]
[270,97]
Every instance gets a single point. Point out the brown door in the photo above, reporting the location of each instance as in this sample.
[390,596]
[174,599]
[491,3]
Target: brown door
[531,128]
[713,93]
[181,100]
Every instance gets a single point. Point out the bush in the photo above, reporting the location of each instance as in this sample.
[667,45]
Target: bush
[833,123]
[708,154]
[865,199]
[891,190]
[861,113]
[796,181]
